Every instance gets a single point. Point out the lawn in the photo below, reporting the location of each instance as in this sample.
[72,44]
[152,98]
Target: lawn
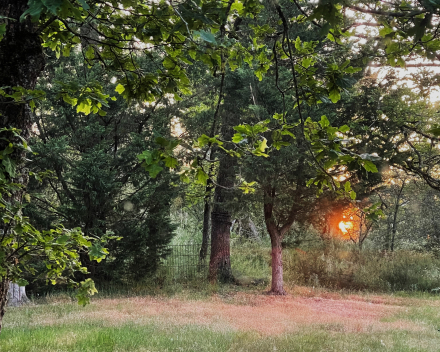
[305,320]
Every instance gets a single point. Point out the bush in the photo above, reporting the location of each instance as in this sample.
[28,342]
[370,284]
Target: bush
[343,267]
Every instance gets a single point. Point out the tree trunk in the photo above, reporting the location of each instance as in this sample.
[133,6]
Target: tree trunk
[207,214]
[276,236]
[220,261]
[277,264]
[17,295]
[254,232]
[22,60]
[205,233]
[4,286]
[396,211]
[276,233]
[388,234]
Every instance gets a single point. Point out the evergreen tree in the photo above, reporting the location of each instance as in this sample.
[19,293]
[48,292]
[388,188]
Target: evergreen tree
[98,183]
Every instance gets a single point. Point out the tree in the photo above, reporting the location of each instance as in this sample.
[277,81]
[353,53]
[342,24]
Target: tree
[57,249]
[27,26]
[98,183]
[22,57]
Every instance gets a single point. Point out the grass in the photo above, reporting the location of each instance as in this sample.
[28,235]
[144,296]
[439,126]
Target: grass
[182,323]
[92,338]
[336,309]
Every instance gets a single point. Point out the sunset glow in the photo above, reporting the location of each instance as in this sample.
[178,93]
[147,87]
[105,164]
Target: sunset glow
[345,226]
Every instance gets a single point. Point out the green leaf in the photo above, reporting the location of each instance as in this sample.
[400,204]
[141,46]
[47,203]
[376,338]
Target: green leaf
[169,64]
[154,170]
[184,178]
[120,88]
[206,36]
[352,69]
[2,30]
[22,282]
[161,141]
[277,116]
[146,156]
[353,195]
[344,129]
[84,5]
[238,6]
[237,138]
[347,186]
[69,100]
[171,162]
[369,166]
[201,176]
[334,95]
[53,5]
[85,106]
[384,31]
[85,290]
[324,121]
[263,145]
[307,61]
[62,239]
[34,10]
[9,165]
[97,252]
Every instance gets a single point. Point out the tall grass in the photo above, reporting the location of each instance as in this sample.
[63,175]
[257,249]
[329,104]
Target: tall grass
[344,267]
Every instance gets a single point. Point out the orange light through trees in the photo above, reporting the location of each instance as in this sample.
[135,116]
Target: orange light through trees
[345,226]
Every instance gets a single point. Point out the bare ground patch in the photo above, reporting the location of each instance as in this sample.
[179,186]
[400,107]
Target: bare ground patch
[266,315]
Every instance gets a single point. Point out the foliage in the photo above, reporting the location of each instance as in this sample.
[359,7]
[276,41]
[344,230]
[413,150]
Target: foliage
[58,249]
[344,267]
[97,183]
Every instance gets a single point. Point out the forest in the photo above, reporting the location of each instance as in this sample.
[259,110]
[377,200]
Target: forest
[258,151]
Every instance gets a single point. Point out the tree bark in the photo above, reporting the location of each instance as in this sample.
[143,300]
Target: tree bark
[276,237]
[207,214]
[220,261]
[4,286]
[396,211]
[22,60]
[277,265]
[276,233]
[17,295]
[205,233]
[254,232]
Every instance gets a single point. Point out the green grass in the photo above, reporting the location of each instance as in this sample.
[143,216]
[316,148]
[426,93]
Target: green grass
[47,328]
[96,337]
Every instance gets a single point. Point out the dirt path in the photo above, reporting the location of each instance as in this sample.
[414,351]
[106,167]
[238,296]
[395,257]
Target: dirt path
[266,315]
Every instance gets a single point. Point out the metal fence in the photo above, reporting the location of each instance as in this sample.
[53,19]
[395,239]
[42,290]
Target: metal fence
[184,261]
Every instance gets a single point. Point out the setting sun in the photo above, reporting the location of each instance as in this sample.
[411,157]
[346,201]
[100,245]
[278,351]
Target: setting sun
[345,226]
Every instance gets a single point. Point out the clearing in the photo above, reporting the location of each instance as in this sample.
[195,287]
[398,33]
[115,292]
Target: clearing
[305,320]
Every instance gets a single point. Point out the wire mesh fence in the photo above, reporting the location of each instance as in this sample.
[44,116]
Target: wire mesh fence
[184,261]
